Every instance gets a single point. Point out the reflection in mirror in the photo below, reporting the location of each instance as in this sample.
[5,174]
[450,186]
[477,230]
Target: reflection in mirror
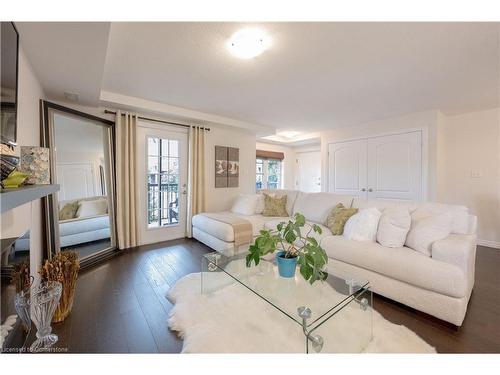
[82,212]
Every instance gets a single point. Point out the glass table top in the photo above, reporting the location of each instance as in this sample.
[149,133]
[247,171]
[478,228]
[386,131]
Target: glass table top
[288,295]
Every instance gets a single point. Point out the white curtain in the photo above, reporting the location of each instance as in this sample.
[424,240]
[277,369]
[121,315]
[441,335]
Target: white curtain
[196,175]
[126,193]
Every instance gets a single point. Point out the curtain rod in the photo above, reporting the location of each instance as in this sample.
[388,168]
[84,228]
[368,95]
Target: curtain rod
[155,120]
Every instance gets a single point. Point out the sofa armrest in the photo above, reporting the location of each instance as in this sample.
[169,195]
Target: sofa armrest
[457,249]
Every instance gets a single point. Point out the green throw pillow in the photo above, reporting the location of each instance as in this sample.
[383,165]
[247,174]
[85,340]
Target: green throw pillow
[275,206]
[338,217]
[68,211]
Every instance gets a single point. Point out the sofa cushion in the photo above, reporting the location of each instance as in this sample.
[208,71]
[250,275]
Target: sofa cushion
[425,230]
[383,204]
[224,231]
[68,211]
[363,225]
[460,214]
[291,196]
[338,217]
[245,204]
[88,208]
[325,232]
[402,264]
[316,206]
[393,227]
[275,206]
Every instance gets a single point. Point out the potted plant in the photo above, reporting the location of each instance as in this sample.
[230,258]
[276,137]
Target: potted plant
[294,247]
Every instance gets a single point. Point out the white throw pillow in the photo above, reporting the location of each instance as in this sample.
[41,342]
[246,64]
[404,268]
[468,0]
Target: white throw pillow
[363,225]
[425,230]
[393,227]
[92,208]
[245,204]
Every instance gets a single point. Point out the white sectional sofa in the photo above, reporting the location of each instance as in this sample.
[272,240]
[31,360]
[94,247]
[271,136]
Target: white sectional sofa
[439,284]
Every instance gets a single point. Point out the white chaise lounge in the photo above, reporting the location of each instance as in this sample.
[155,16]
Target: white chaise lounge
[440,284]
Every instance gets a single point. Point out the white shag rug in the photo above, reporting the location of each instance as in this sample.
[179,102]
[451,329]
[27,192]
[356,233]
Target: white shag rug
[234,320]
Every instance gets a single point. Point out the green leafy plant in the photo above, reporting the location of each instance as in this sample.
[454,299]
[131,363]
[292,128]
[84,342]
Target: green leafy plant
[289,237]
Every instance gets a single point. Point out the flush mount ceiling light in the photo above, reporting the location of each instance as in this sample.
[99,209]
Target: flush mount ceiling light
[248,43]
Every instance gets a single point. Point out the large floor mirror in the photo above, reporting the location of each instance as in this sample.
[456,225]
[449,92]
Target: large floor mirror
[81,215]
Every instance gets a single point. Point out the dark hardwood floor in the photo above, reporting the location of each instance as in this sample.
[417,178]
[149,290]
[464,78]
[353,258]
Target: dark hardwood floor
[120,305]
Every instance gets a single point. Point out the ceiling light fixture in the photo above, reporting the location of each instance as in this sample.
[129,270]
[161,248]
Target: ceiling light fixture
[248,43]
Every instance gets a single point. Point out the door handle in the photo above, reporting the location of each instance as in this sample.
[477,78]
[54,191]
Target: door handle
[370,190]
[363,189]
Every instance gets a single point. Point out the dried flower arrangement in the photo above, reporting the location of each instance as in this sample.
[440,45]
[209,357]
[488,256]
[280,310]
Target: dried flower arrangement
[63,267]
[20,276]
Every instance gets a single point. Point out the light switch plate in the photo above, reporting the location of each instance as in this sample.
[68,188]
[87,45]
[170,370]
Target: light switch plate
[476,174]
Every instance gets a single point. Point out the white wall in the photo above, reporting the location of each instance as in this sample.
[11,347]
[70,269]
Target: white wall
[222,198]
[28,216]
[289,163]
[469,168]
[428,121]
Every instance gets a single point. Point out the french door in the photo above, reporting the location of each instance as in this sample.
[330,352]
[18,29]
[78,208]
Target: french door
[162,183]
[386,167]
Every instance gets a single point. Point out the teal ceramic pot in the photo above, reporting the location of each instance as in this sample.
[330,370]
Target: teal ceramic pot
[286,266]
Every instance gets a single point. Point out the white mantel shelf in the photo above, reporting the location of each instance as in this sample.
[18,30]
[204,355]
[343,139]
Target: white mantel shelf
[11,198]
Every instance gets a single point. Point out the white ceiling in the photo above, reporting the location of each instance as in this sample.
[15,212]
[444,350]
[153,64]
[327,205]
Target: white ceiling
[315,75]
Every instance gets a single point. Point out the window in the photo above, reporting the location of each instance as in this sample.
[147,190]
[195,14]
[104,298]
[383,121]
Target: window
[163,182]
[259,166]
[268,174]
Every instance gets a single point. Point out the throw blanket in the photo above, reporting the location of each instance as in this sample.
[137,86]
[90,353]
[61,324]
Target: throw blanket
[243,231]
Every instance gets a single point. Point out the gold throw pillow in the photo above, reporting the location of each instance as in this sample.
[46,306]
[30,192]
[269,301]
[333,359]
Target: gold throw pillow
[275,206]
[338,217]
[68,211]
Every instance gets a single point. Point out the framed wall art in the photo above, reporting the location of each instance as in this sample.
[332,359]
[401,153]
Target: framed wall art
[227,167]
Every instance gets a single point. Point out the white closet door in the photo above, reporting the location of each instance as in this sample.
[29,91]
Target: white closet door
[347,168]
[395,166]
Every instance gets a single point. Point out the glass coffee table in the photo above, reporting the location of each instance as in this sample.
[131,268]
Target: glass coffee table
[335,315]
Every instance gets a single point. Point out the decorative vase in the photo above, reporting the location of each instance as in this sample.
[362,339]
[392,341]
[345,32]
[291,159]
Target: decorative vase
[35,162]
[63,267]
[22,305]
[44,299]
[286,266]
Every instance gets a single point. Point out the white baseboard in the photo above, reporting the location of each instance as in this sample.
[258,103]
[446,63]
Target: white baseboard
[488,243]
